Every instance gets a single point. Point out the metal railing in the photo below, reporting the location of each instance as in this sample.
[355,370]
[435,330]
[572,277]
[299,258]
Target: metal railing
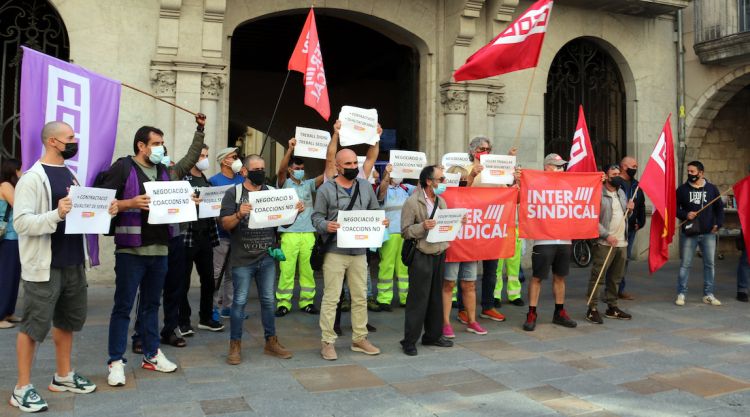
[715,19]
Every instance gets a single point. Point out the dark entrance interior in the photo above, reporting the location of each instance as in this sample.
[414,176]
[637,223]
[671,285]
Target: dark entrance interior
[364,68]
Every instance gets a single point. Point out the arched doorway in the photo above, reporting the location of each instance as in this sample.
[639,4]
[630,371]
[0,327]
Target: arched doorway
[32,23]
[363,67]
[583,73]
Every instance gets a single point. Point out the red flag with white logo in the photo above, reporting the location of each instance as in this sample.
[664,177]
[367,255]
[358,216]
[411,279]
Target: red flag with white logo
[742,197]
[515,48]
[559,205]
[658,182]
[308,59]
[581,153]
[490,229]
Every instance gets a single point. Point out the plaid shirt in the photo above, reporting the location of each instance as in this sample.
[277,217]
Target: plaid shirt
[213,228]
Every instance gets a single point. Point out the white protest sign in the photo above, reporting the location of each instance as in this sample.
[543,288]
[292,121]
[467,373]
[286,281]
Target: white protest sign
[211,197]
[498,169]
[407,164]
[90,212]
[272,208]
[452,180]
[360,229]
[361,164]
[448,223]
[171,202]
[358,126]
[312,143]
[460,159]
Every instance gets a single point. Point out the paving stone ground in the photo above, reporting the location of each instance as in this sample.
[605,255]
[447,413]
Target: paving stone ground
[667,361]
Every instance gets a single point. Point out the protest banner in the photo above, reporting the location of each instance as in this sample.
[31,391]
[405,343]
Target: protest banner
[498,169]
[90,212]
[360,229]
[459,159]
[171,202]
[452,180]
[311,143]
[447,225]
[407,164]
[489,232]
[358,126]
[272,208]
[560,205]
[211,197]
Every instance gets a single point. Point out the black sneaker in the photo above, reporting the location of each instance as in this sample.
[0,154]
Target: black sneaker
[186,330]
[440,342]
[385,307]
[211,325]
[497,303]
[518,302]
[563,319]
[742,296]
[137,347]
[310,309]
[281,312]
[372,304]
[616,313]
[593,316]
[530,323]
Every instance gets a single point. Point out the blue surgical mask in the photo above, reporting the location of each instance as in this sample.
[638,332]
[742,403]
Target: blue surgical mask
[166,160]
[157,154]
[440,188]
[298,174]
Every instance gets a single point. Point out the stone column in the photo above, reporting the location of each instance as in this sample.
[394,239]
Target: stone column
[212,86]
[493,104]
[163,84]
[188,95]
[454,98]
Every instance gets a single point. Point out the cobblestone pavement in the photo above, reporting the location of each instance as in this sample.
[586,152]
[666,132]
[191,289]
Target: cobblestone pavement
[667,361]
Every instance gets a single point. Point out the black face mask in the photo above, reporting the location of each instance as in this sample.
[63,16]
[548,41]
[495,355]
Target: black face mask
[631,172]
[350,173]
[693,178]
[463,183]
[71,149]
[257,177]
[616,182]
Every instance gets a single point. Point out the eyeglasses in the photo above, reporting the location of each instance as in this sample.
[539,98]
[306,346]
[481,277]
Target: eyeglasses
[235,157]
[484,149]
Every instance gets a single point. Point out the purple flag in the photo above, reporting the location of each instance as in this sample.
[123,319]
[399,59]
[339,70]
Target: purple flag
[54,90]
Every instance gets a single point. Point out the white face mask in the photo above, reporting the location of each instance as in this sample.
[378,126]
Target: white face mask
[202,165]
[166,160]
[236,166]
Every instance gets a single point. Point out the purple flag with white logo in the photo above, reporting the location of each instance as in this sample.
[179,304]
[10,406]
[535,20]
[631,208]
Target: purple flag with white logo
[55,90]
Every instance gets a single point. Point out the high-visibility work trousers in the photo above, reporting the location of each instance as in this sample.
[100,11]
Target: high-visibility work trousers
[390,260]
[513,266]
[297,247]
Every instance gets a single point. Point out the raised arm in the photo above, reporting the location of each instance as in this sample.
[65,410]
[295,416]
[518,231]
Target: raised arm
[372,155]
[384,182]
[184,165]
[284,164]
[333,146]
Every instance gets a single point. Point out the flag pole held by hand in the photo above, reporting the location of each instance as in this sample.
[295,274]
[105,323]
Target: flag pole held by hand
[707,205]
[159,98]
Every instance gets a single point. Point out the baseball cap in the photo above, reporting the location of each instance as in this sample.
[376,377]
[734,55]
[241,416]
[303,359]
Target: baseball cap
[224,152]
[554,159]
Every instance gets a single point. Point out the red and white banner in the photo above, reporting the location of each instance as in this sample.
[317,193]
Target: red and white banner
[515,48]
[581,153]
[489,232]
[308,59]
[559,205]
[742,197]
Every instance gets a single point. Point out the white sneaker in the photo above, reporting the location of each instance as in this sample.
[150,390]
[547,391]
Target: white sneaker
[28,400]
[158,363]
[680,301]
[116,376]
[710,299]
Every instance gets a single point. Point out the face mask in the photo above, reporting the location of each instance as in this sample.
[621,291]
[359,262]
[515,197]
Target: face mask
[71,149]
[202,165]
[236,166]
[350,173]
[257,177]
[440,188]
[166,160]
[616,182]
[478,155]
[397,181]
[463,183]
[693,178]
[631,172]
[157,154]
[298,174]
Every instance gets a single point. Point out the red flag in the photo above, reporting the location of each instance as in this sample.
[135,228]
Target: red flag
[658,182]
[581,153]
[742,198]
[308,59]
[515,48]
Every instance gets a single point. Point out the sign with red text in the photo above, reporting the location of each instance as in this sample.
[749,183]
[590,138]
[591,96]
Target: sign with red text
[360,229]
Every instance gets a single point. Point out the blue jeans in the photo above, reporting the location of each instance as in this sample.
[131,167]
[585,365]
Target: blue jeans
[131,273]
[264,272]
[743,273]
[707,243]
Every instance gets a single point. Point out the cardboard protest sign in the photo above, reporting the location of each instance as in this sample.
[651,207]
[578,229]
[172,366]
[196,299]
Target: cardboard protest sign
[448,224]
[90,212]
[360,229]
[452,180]
[272,208]
[498,169]
[311,143]
[171,202]
[358,126]
[460,159]
[210,206]
[407,164]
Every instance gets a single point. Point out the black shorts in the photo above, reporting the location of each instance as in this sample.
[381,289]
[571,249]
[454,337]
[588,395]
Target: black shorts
[556,257]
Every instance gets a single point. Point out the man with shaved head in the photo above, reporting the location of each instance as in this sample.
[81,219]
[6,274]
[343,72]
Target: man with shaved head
[343,192]
[637,218]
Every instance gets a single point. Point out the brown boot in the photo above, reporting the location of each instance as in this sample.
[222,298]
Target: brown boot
[274,348]
[235,352]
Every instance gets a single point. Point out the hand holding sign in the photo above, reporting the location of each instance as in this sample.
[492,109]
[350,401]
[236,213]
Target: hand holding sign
[361,228]
[63,206]
[91,210]
[272,208]
[358,126]
[448,223]
[498,169]
[171,202]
